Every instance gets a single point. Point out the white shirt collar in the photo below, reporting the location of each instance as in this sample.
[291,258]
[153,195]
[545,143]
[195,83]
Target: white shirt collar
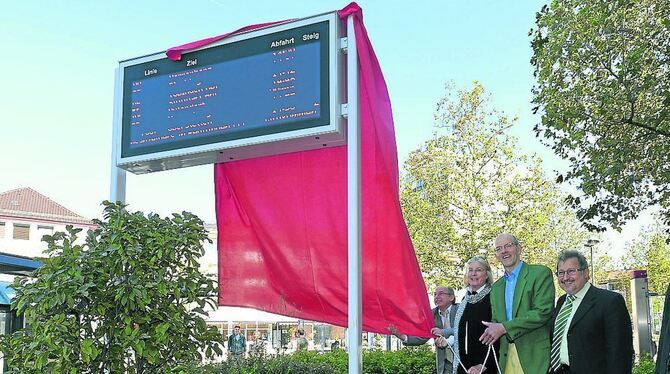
[581,293]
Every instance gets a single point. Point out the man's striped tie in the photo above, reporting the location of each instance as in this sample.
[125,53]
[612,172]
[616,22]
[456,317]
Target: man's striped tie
[559,330]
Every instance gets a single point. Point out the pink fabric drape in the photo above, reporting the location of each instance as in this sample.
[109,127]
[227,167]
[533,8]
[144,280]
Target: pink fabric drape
[175,53]
[282,225]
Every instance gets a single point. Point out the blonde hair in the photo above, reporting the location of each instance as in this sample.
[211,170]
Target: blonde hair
[483,262]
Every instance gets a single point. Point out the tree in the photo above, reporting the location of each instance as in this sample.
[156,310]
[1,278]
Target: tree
[468,183]
[603,88]
[129,300]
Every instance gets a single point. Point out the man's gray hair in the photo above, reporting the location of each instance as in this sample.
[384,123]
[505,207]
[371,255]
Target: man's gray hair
[568,254]
[511,237]
[449,289]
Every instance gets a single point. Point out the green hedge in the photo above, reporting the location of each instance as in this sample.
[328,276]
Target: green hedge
[420,360]
[411,360]
[645,365]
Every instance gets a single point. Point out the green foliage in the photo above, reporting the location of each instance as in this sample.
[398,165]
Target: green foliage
[129,300]
[468,183]
[274,364]
[603,87]
[337,359]
[646,365]
[420,360]
[415,360]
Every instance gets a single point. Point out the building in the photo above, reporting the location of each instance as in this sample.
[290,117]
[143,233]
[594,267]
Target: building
[26,215]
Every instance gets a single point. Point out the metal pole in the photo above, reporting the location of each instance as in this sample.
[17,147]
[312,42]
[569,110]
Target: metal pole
[354,324]
[117,185]
[591,243]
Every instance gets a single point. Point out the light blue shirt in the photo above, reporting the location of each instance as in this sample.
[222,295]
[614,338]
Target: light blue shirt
[510,284]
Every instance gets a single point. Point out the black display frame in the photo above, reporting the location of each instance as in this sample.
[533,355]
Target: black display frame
[220,53]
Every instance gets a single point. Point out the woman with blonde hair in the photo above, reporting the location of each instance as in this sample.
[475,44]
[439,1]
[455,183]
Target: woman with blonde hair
[469,352]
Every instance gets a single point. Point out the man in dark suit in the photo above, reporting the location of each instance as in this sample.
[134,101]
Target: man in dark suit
[444,314]
[591,329]
[663,359]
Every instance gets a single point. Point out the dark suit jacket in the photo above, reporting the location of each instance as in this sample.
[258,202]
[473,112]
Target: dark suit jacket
[663,359]
[440,353]
[600,336]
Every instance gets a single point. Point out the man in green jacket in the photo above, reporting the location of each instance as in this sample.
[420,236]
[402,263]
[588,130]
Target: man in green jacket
[522,303]
[237,344]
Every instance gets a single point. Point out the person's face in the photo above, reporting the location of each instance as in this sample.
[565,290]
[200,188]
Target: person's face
[476,275]
[442,297]
[570,277]
[236,330]
[508,253]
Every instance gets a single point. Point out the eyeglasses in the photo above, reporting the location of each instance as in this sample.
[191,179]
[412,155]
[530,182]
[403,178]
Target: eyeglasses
[569,272]
[506,246]
[476,270]
[443,294]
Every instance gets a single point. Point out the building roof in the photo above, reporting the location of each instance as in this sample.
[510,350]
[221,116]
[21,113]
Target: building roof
[6,293]
[30,204]
[17,265]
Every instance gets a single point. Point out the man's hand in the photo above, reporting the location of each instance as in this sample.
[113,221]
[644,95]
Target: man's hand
[436,331]
[441,342]
[394,331]
[492,333]
[477,369]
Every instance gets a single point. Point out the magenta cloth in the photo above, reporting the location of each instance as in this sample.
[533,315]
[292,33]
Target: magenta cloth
[175,53]
[282,225]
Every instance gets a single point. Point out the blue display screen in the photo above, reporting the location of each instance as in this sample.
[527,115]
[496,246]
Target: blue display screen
[272,83]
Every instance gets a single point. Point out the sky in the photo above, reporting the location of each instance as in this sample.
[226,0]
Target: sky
[57,83]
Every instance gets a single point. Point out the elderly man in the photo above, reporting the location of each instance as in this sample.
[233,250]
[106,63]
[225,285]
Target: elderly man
[522,303]
[592,331]
[443,313]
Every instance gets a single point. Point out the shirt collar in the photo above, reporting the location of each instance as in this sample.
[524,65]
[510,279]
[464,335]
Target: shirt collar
[446,311]
[581,293]
[470,291]
[514,273]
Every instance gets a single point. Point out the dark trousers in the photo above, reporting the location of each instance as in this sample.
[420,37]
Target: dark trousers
[563,369]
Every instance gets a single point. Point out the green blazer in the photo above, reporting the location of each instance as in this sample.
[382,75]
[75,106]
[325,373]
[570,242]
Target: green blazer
[528,329]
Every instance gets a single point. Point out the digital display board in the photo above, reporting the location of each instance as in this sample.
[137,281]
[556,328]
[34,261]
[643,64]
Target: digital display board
[245,91]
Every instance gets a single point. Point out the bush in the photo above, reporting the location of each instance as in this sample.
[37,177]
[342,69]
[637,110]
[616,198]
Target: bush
[419,360]
[130,299]
[646,365]
[270,365]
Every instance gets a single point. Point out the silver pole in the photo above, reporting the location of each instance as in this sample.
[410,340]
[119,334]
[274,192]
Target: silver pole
[117,185]
[354,324]
[590,244]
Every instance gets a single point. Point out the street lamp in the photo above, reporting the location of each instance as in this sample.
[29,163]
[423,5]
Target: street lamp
[590,244]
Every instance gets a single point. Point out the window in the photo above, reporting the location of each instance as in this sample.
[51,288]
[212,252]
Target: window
[45,230]
[21,232]
[2,229]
